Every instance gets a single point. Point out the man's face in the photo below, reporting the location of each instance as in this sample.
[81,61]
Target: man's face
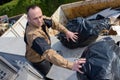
[35,17]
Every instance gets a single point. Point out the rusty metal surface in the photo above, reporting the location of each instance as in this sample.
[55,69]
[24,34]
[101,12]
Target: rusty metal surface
[87,8]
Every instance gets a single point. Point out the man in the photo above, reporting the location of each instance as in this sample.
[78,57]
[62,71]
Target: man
[38,50]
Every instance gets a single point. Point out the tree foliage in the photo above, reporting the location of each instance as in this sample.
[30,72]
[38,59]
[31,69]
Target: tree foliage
[4,1]
[16,7]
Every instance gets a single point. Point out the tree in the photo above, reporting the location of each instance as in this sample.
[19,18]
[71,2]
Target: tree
[4,1]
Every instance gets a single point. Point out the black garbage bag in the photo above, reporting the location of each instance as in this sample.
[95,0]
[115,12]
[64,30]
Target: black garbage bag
[88,31]
[102,61]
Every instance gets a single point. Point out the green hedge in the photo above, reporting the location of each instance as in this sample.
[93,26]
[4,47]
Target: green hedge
[16,7]
[8,8]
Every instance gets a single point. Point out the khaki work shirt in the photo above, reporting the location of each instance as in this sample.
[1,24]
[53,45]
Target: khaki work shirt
[31,33]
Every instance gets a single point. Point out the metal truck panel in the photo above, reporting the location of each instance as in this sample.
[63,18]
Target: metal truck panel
[82,9]
[18,29]
[16,67]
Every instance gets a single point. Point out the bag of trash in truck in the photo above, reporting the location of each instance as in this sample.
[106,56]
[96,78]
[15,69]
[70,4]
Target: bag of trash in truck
[94,23]
[106,13]
[3,24]
[102,61]
[4,19]
[3,28]
[88,31]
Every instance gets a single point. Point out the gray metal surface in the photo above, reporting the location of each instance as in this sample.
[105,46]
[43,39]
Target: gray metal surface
[7,71]
[13,59]
[16,67]
[12,45]
[18,29]
[58,73]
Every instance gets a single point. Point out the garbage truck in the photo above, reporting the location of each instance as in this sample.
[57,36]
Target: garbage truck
[18,67]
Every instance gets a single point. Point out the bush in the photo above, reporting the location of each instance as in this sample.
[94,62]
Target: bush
[16,7]
[4,1]
[8,8]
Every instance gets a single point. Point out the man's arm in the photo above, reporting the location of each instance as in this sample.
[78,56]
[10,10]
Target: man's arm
[59,27]
[69,35]
[58,60]
[43,48]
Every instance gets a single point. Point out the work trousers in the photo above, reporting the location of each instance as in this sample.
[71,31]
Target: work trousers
[43,67]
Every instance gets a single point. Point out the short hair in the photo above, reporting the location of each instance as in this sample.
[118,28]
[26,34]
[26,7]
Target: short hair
[31,7]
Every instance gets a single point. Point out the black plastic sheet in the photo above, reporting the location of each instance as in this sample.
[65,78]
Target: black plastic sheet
[102,61]
[88,31]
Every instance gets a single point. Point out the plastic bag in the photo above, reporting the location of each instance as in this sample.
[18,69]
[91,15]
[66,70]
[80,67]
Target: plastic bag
[88,31]
[102,61]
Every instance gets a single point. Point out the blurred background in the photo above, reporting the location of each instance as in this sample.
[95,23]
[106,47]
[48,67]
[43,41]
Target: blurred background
[15,7]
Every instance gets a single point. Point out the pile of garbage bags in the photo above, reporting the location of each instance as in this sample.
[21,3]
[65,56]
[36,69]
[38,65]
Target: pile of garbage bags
[88,31]
[102,56]
[90,28]
[102,61]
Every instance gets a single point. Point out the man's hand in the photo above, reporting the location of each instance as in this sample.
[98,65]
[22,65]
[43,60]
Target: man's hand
[71,35]
[77,64]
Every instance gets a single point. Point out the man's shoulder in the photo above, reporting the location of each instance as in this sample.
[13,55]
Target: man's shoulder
[46,17]
[47,21]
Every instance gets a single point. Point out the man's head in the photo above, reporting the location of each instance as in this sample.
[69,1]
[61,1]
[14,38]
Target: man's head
[35,16]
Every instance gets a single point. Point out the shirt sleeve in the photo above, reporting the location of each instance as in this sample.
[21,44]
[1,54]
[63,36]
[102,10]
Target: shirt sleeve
[40,45]
[55,25]
[43,48]
[58,26]
[52,56]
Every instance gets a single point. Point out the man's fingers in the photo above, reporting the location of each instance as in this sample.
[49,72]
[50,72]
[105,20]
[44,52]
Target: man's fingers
[75,33]
[78,64]
[81,61]
[72,36]
[80,71]
[73,39]
[75,36]
[67,39]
